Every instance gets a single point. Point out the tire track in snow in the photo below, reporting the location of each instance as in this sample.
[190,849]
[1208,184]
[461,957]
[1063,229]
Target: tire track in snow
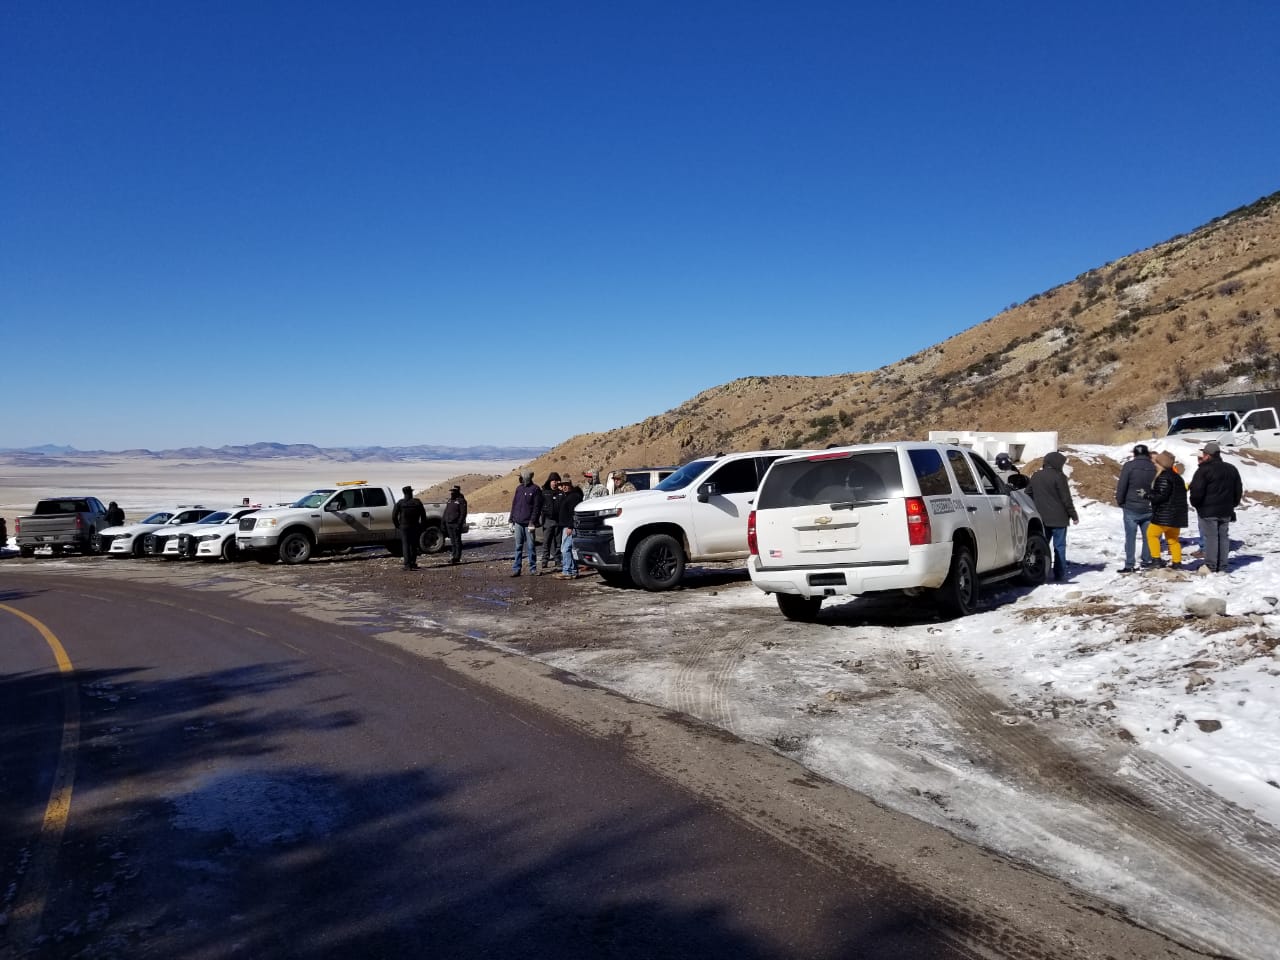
[1225,853]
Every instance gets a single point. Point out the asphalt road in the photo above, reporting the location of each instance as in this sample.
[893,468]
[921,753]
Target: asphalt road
[187,774]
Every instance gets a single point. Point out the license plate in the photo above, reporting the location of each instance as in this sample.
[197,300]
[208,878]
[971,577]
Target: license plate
[46,538]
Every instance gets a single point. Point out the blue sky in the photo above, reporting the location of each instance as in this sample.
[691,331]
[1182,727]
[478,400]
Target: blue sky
[396,223]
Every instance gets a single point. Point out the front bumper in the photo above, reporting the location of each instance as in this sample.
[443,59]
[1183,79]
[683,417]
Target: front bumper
[595,549]
[257,543]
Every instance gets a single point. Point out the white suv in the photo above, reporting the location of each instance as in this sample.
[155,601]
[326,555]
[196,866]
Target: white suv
[925,518]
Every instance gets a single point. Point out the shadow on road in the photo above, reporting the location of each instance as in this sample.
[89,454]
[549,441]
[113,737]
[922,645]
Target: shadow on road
[190,837]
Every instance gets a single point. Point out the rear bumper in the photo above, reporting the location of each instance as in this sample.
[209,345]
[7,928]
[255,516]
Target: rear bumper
[925,566]
[50,540]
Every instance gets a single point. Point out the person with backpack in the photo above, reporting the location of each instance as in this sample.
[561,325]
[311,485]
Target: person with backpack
[1133,497]
[1168,510]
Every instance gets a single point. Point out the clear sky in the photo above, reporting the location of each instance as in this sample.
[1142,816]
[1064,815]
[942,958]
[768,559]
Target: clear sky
[458,223]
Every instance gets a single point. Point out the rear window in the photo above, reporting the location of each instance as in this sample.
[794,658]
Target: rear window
[856,478]
[47,507]
[930,473]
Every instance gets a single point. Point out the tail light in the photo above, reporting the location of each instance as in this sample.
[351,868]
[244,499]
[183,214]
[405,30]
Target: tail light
[79,522]
[918,531]
[752,545]
[17,526]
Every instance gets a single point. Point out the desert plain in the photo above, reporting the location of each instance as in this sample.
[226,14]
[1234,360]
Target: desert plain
[141,485]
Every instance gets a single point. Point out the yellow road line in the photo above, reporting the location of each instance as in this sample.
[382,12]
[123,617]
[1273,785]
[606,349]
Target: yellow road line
[29,908]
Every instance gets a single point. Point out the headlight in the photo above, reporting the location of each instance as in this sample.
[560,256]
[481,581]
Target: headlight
[610,512]
[123,537]
[266,522]
[208,536]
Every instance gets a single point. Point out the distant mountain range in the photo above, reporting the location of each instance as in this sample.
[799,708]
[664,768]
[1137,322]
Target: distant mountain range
[41,455]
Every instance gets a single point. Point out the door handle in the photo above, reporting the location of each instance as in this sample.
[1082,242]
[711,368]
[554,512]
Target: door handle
[364,513]
[972,509]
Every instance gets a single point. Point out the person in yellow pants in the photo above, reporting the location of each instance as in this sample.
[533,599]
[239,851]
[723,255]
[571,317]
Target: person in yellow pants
[1168,509]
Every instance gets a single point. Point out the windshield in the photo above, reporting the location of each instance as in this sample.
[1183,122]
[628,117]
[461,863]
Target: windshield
[217,517]
[313,499]
[1201,423]
[158,518]
[685,475]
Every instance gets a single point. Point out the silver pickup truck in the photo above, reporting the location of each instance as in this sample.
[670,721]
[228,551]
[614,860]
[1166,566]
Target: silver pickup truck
[351,514]
[60,522]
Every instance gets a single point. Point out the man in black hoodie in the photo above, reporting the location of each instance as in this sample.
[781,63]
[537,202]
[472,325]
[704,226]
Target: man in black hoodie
[1052,494]
[1215,492]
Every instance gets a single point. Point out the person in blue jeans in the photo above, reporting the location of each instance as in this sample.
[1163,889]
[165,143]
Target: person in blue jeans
[564,509]
[1052,494]
[1133,497]
[526,517]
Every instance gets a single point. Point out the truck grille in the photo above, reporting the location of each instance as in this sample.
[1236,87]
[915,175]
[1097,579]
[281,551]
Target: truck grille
[155,544]
[246,523]
[588,525]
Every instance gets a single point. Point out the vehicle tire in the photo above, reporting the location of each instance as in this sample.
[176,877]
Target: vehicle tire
[139,548]
[1035,561]
[94,544]
[230,552]
[26,551]
[432,540]
[958,595]
[798,608]
[657,563]
[295,548]
[616,578]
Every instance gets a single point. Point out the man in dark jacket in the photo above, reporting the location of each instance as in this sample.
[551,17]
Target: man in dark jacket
[526,516]
[551,495]
[1216,491]
[570,497]
[1133,497]
[455,521]
[1052,494]
[410,517]
[115,516]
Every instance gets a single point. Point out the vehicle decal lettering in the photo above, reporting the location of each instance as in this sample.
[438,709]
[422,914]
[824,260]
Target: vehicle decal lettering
[943,506]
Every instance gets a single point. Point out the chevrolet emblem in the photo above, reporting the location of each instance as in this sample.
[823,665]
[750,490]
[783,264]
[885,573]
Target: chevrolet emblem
[822,520]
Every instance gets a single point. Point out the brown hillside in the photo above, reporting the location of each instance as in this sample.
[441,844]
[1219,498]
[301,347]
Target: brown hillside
[1094,359]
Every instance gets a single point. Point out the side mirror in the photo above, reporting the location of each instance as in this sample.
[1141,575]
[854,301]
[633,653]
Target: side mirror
[333,506]
[706,491]
[1017,481]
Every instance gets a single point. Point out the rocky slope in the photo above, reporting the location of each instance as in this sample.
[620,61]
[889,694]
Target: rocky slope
[1094,358]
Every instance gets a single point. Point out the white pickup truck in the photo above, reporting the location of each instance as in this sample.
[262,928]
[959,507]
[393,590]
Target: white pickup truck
[350,514]
[1253,428]
[698,513]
